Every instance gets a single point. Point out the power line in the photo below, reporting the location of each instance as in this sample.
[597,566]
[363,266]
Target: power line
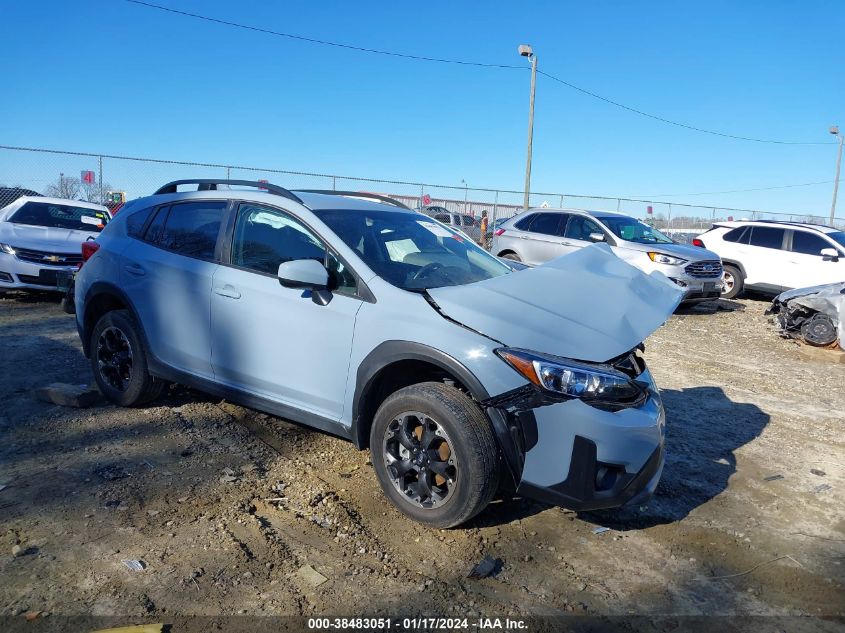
[707,193]
[323,42]
[461,62]
[676,123]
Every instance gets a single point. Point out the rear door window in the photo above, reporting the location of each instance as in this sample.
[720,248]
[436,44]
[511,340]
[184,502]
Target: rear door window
[446,218]
[767,237]
[191,228]
[548,223]
[808,243]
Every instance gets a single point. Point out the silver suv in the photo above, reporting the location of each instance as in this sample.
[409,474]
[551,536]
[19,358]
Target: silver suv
[539,235]
[352,314]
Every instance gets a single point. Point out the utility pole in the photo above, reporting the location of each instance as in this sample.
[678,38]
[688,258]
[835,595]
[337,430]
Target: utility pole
[525,50]
[835,131]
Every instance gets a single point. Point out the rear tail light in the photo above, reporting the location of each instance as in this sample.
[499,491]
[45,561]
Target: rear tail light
[697,242]
[499,232]
[88,248]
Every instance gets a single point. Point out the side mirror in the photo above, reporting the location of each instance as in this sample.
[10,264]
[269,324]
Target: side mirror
[597,237]
[829,254]
[303,273]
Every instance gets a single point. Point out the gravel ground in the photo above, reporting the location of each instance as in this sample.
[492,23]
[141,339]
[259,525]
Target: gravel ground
[232,511]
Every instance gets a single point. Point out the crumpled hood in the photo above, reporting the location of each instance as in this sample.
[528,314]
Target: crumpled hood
[42,238]
[588,305]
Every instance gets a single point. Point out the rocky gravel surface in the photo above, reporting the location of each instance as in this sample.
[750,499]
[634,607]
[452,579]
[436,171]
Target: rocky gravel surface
[200,507]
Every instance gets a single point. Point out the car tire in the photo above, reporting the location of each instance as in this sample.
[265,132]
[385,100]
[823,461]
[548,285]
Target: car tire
[512,256]
[119,361]
[732,282]
[408,435]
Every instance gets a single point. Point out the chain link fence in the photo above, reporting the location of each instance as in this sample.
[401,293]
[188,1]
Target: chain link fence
[105,179]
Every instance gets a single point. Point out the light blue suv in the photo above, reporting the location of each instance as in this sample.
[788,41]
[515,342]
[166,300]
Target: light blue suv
[352,314]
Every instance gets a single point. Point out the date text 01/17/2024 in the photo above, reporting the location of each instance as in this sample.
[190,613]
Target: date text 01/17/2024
[415,624]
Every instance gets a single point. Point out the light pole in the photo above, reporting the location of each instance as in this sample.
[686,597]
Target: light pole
[526,51]
[835,131]
[466,193]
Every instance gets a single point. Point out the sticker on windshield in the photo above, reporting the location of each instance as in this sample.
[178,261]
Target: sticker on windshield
[87,219]
[435,228]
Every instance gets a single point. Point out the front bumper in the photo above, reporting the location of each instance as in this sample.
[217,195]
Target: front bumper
[696,288]
[16,274]
[573,455]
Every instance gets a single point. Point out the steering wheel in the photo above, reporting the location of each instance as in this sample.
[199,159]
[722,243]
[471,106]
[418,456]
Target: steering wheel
[425,270]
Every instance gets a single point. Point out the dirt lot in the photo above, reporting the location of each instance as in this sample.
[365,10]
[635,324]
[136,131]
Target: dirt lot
[227,507]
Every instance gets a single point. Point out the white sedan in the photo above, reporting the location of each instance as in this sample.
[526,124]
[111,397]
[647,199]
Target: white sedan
[41,240]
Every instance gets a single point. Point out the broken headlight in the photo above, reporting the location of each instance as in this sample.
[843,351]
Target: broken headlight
[598,384]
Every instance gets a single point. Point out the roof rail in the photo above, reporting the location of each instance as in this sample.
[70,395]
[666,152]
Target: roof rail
[357,194]
[793,223]
[211,184]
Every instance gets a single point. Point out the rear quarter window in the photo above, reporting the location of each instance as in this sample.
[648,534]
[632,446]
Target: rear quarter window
[524,223]
[739,234]
[136,221]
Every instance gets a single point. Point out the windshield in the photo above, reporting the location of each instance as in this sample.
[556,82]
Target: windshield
[410,250]
[60,216]
[632,230]
[838,237]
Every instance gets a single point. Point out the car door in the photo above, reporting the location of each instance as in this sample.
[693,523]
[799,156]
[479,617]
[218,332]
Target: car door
[577,232]
[764,257]
[545,238]
[168,273]
[807,267]
[276,342]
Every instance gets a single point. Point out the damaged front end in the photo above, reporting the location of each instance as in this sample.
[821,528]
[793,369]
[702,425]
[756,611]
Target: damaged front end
[576,449]
[582,431]
[813,315]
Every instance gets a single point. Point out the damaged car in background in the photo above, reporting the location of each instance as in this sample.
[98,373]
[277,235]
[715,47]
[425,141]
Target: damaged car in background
[815,315]
[355,315]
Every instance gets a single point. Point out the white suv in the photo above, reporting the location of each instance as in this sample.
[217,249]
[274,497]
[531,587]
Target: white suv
[775,256]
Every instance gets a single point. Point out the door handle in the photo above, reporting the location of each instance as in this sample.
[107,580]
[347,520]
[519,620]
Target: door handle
[227,291]
[135,270]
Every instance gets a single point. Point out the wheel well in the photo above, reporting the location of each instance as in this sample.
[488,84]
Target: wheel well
[95,309]
[390,379]
[507,251]
[737,265]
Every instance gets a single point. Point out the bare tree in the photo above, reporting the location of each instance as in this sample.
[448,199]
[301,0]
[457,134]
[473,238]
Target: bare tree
[92,192]
[75,189]
[64,187]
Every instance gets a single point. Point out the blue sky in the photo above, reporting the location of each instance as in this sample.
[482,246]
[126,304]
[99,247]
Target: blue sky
[109,76]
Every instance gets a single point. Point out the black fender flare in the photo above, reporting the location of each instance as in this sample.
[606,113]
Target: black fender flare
[389,352]
[99,288]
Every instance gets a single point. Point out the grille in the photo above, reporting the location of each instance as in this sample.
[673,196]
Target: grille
[707,268]
[46,258]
